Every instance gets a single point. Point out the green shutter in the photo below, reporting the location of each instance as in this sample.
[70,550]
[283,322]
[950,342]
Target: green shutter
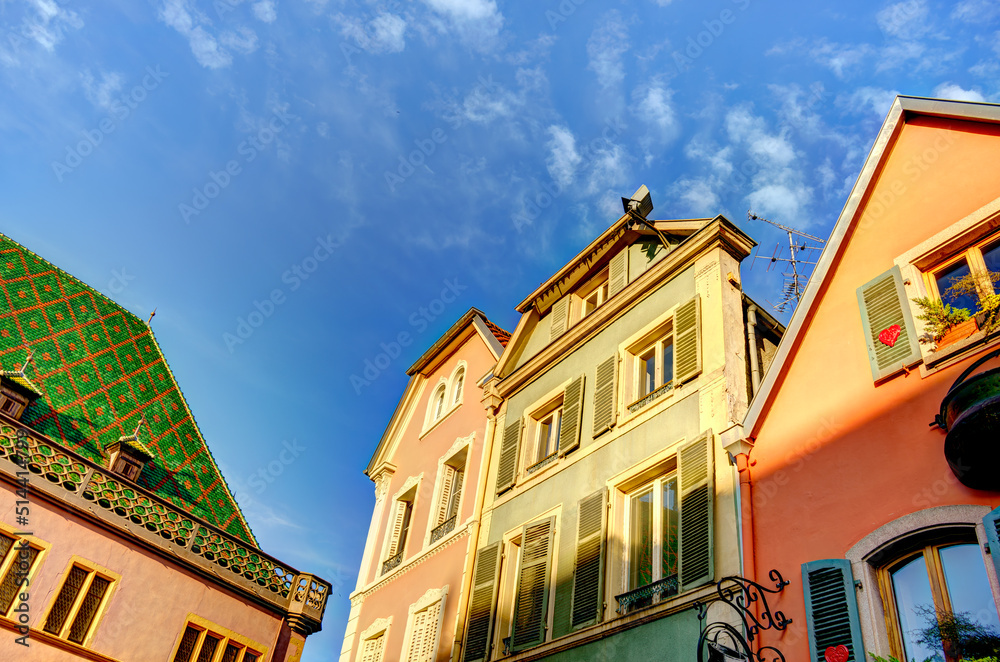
[884,305]
[531,608]
[687,341]
[831,609]
[569,426]
[696,476]
[618,272]
[485,581]
[588,573]
[604,395]
[559,317]
[507,469]
[992,524]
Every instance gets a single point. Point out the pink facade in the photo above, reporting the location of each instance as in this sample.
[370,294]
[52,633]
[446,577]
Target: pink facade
[413,582]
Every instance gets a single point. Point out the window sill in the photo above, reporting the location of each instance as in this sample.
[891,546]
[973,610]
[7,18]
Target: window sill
[427,430]
[959,351]
[646,399]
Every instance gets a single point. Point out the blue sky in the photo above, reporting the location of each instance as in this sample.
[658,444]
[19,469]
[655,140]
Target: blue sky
[292,184]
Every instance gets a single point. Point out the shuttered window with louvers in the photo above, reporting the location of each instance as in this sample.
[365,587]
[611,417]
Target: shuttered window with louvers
[831,609]
[423,638]
[618,272]
[696,474]
[373,649]
[687,341]
[531,605]
[889,332]
[559,318]
[604,395]
[569,432]
[484,594]
[588,573]
[507,466]
[447,486]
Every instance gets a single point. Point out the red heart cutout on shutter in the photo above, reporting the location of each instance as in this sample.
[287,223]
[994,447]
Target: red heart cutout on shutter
[840,653]
[889,336]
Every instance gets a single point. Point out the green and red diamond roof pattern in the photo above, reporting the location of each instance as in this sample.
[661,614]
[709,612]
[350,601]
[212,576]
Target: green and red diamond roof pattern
[99,369]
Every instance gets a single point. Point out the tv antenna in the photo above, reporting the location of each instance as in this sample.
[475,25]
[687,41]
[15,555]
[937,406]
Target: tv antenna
[795,280]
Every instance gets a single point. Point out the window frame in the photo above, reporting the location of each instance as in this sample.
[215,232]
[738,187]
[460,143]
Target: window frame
[655,484]
[225,635]
[457,458]
[973,257]
[598,286]
[630,407]
[379,628]
[427,601]
[7,562]
[93,570]
[409,493]
[529,463]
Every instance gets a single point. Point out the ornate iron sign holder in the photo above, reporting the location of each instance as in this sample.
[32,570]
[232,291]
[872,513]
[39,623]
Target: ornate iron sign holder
[723,642]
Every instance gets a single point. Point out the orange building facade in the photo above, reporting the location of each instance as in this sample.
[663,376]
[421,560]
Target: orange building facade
[883,522]
[415,574]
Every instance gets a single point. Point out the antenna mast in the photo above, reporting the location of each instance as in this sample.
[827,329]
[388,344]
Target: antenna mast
[794,282]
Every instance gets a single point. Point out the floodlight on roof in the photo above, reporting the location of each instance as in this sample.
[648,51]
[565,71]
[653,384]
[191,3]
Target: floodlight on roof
[641,202]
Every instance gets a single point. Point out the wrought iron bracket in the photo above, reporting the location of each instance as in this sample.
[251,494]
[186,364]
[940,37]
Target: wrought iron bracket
[724,641]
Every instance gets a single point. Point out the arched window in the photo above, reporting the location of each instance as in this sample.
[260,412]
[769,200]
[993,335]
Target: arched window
[437,403]
[457,383]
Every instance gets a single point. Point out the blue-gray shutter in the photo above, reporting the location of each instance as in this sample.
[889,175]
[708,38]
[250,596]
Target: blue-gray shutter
[604,394]
[531,608]
[507,465]
[572,415]
[485,582]
[883,304]
[588,571]
[832,609]
[559,318]
[618,272]
[992,524]
[696,530]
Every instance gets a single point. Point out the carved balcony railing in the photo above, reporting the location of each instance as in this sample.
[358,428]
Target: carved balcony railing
[107,496]
[443,529]
[392,562]
[644,595]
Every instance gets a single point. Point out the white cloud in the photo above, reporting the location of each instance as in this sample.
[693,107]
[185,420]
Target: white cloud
[906,20]
[265,11]
[323,129]
[386,33]
[976,12]
[958,93]
[242,40]
[204,46]
[608,42]
[782,200]
[608,169]
[477,22]
[699,194]
[101,94]
[871,99]
[563,158]
[841,59]
[655,108]
[50,23]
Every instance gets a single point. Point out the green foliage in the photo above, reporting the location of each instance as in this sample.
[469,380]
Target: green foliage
[939,316]
[965,637]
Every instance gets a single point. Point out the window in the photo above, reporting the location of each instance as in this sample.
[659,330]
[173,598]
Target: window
[524,612]
[654,366]
[399,529]
[593,294]
[81,599]
[371,647]
[652,517]
[545,425]
[203,641]
[9,406]
[438,403]
[126,468]
[18,560]
[456,389]
[425,626]
[980,259]
[449,497]
[937,575]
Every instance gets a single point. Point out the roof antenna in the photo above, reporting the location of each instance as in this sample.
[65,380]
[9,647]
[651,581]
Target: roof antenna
[151,316]
[794,282]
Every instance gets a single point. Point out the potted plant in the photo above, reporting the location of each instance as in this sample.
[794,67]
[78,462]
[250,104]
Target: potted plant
[946,325]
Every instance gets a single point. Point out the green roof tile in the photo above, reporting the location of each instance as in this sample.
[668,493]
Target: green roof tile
[98,368]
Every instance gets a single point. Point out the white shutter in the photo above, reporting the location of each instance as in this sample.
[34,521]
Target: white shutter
[559,318]
[397,528]
[618,272]
[373,648]
[447,482]
[456,493]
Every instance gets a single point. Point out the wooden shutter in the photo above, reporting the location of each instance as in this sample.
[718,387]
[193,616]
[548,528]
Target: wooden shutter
[373,648]
[992,524]
[687,340]
[531,608]
[456,494]
[618,272]
[604,394]
[397,529]
[423,636]
[479,628]
[507,469]
[559,317]
[831,609]
[696,476]
[588,573]
[883,306]
[447,484]
[572,414]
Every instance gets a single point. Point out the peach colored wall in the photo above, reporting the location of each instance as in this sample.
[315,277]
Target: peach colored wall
[837,456]
[413,456]
[149,607]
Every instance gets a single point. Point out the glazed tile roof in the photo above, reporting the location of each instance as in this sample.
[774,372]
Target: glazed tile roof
[21,380]
[502,336]
[99,369]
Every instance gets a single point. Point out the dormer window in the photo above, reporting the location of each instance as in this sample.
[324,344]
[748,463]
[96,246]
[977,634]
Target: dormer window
[128,455]
[16,390]
[593,294]
[126,467]
[11,405]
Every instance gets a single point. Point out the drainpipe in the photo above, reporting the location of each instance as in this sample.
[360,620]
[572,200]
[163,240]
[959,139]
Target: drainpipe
[463,601]
[752,341]
[743,464]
